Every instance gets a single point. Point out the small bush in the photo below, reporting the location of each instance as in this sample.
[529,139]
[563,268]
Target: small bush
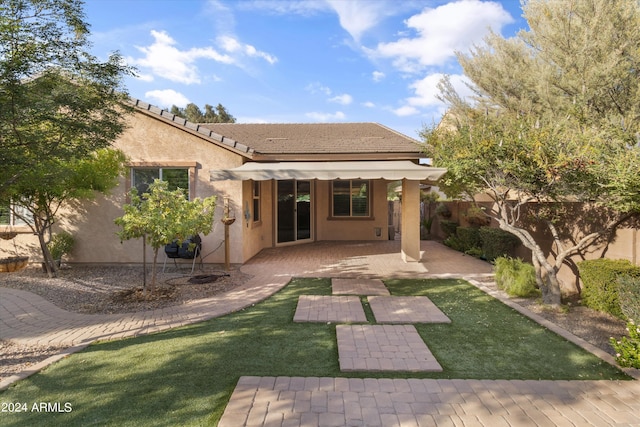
[628,348]
[454,243]
[61,244]
[629,296]
[448,227]
[497,243]
[469,238]
[515,277]
[600,286]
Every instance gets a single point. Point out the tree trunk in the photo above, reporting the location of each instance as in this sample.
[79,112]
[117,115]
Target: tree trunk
[48,262]
[154,270]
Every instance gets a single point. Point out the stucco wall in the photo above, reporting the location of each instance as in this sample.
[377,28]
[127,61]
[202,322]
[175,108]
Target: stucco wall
[328,228]
[148,139]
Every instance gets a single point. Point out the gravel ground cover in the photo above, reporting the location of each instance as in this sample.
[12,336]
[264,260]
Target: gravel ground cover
[93,290]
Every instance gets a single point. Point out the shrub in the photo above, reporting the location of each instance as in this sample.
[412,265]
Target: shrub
[600,287]
[454,243]
[448,227]
[469,238]
[497,243]
[443,210]
[515,277]
[61,244]
[629,296]
[628,348]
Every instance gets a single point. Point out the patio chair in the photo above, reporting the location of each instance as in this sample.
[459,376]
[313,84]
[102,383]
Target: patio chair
[191,249]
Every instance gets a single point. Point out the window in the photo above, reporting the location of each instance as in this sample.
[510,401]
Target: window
[256,201]
[351,198]
[11,218]
[141,178]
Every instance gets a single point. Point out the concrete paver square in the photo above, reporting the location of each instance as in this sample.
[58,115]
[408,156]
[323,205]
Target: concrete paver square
[414,309]
[358,287]
[383,348]
[329,308]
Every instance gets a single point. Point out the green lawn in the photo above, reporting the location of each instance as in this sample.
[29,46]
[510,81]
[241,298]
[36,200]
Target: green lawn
[185,376]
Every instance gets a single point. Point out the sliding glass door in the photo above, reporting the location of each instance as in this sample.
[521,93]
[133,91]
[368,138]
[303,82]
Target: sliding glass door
[293,211]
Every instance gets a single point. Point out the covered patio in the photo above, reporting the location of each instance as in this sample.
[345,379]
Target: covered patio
[364,259]
[410,173]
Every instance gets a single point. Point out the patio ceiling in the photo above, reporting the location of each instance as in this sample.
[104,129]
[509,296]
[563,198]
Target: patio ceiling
[389,170]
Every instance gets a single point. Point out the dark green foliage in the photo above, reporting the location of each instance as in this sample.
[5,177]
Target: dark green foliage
[515,277]
[469,237]
[448,227]
[497,242]
[629,296]
[600,286]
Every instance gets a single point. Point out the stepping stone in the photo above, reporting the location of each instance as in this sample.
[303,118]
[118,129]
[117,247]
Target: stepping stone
[383,348]
[406,310]
[329,308]
[358,287]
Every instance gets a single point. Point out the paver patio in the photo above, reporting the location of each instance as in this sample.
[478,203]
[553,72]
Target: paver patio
[358,287]
[313,401]
[329,308]
[416,309]
[383,348]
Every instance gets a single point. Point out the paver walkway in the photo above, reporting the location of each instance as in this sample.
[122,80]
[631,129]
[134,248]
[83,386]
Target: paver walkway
[358,287]
[329,308]
[28,318]
[383,348]
[309,402]
[416,309]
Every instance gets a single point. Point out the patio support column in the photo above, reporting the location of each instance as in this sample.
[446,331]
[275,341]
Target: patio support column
[410,228]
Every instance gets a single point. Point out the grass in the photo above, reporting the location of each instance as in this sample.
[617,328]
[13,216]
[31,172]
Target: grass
[185,376]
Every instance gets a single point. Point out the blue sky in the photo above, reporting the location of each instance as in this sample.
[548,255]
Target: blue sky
[298,61]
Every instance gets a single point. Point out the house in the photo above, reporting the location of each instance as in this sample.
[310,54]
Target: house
[284,183]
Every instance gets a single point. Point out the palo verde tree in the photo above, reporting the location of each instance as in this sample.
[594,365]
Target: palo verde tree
[161,216]
[555,118]
[60,105]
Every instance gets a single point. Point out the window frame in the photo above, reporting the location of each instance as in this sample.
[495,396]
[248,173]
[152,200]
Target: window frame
[190,167]
[14,220]
[351,216]
[256,197]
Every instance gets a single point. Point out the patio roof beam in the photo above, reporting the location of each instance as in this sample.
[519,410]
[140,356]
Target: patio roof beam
[389,170]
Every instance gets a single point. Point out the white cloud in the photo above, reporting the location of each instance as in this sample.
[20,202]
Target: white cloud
[167,98]
[232,45]
[326,117]
[441,31]
[368,104]
[406,111]
[344,99]
[316,87]
[377,76]
[426,90]
[358,16]
[164,59]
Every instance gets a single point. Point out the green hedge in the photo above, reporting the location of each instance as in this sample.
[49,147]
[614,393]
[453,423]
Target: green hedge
[469,238]
[497,242]
[629,296]
[448,227]
[600,286]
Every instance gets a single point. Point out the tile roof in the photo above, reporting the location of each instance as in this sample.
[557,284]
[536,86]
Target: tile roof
[275,141]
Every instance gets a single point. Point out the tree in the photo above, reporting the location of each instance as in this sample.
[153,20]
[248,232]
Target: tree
[60,105]
[554,118]
[41,191]
[193,113]
[162,216]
